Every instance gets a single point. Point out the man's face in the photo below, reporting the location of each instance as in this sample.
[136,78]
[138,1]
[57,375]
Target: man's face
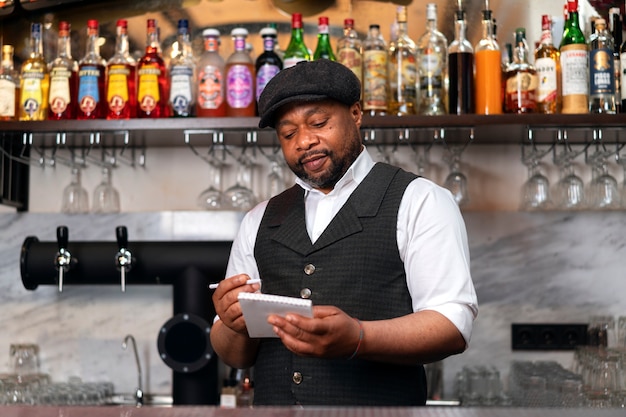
[320,140]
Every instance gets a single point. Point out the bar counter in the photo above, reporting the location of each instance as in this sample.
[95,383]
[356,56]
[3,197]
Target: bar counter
[191,411]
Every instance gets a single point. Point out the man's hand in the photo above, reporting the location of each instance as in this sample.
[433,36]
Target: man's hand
[227,305]
[331,333]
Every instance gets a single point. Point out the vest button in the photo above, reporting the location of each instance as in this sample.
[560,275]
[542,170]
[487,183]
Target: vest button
[309,269]
[297,378]
[305,293]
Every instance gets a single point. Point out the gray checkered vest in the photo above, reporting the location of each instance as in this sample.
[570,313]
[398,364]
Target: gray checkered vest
[354,265]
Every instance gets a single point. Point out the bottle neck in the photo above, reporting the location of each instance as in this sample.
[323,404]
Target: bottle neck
[572,20]
[240,44]
[269,42]
[296,34]
[36,46]
[460,30]
[520,56]
[487,29]
[546,37]
[402,29]
[184,43]
[93,49]
[152,41]
[122,46]
[64,46]
[211,44]
[7,61]
[431,25]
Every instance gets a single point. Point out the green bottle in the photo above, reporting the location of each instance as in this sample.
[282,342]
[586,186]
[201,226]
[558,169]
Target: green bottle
[323,50]
[296,50]
[574,64]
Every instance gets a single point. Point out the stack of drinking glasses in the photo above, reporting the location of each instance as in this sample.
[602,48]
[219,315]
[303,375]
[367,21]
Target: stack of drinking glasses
[479,386]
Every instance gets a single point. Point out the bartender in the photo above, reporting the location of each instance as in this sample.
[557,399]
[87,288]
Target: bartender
[381,252]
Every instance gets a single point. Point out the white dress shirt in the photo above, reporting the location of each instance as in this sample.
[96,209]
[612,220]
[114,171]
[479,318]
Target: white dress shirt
[431,239]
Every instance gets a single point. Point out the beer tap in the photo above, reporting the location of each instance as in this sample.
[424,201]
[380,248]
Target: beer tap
[123,258]
[63,259]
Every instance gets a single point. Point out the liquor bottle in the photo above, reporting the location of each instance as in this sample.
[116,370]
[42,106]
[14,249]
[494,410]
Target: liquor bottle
[323,49]
[296,50]
[375,73]
[402,69]
[460,69]
[9,86]
[268,64]
[601,73]
[211,82]
[488,74]
[432,66]
[63,79]
[240,81]
[91,77]
[152,79]
[520,79]
[548,66]
[34,80]
[616,31]
[622,61]
[121,91]
[574,64]
[350,49]
[182,100]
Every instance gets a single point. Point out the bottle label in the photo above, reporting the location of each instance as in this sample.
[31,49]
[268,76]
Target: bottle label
[352,59]
[181,88]
[240,87]
[210,88]
[292,61]
[32,94]
[117,87]
[263,76]
[520,91]
[404,76]
[375,80]
[430,69]
[60,96]
[575,78]
[88,93]
[7,98]
[148,95]
[547,79]
[601,72]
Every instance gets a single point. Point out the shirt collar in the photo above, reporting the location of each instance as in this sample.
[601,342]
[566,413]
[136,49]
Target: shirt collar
[355,173]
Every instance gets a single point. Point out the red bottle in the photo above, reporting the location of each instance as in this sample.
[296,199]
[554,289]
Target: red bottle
[152,84]
[121,94]
[91,78]
[63,79]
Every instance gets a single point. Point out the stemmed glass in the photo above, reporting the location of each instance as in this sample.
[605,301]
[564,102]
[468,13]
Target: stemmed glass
[456,181]
[75,196]
[603,190]
[536,189]
[106,199]
[212,198]
[240,195]
[276,181]
[569,191]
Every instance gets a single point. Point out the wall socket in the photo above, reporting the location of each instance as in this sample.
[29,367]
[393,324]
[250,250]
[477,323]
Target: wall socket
[548,336]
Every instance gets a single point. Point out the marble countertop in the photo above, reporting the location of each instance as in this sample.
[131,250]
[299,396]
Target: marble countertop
[191,411]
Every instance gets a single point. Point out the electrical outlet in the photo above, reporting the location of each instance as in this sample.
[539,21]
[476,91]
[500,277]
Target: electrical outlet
[548,336]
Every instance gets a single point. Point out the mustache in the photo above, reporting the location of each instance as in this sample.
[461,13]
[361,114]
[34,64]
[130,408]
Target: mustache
[311,154]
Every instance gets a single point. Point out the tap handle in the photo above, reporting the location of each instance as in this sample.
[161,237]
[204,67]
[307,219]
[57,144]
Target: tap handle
[121,233]
[62,237]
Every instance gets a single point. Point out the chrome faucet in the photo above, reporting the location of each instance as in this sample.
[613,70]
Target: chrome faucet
[138,391]
[63,258]
[123,258]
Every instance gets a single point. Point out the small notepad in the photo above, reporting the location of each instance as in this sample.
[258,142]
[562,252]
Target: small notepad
[257,307]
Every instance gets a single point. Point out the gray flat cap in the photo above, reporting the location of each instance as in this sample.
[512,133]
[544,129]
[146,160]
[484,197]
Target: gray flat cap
[308,81]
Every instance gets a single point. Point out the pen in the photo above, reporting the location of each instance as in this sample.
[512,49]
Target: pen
[248,282]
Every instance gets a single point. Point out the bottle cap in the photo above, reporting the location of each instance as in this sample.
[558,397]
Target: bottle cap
[7,49]
[546,22]
[92,24]
[600,23]
[296,21]
[349,23]
[323,20]
[211,33]
[151,23]
[431,11]
[572,6]
[183,23]
[239,32]
[268,32]
[374,26]
[122,23]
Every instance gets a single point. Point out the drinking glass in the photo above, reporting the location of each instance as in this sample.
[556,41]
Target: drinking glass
[75,196]
[212,198]
[456,181]
[603,189]
[276,177]
[569,192]
[106,199]
[536,189]
[240,195]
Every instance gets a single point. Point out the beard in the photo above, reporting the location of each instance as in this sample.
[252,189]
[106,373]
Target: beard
[339,164]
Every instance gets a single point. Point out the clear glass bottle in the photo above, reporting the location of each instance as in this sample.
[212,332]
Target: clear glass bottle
[432,67]
[488,70]
[402,69]
[268,64]
[211,82]
[375,73]
[460,69]
[63,79]
[9,85]
[182,100]
[323,50]
[296,50]
[548,66]
[520,79]
[616,31]
[240,80]
[574,64]
[152,78]
[121,87]
[91,77]
[34,80]
[601,71]
[350,49]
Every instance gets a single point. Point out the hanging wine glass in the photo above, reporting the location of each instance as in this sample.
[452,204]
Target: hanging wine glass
[212,198]
[106,199]
[75,197]
[456,181]
[240,196]
[603,190]
[569,192]
[536,189]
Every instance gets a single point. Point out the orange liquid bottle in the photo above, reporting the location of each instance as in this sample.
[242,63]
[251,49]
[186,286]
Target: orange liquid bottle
[488,75]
